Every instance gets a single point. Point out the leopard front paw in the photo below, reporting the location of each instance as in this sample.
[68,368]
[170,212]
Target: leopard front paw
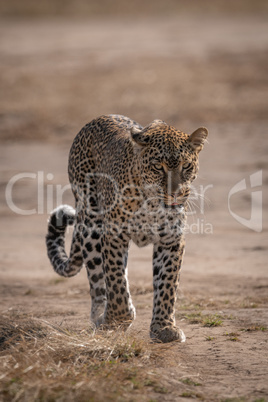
[99,322]
[165,334]
[97,313]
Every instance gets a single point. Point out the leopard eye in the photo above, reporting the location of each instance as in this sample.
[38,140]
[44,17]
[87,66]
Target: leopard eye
[186,165]
[158,166]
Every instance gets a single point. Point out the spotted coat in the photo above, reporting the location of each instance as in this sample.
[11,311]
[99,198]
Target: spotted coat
[129,183]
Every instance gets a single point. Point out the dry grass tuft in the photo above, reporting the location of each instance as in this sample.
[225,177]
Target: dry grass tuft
[11,333]
[39,361]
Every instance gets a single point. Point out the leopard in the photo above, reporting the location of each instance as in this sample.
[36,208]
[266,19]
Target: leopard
[131,183]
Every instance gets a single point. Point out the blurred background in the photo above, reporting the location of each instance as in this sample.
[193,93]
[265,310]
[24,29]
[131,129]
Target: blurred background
[64,62]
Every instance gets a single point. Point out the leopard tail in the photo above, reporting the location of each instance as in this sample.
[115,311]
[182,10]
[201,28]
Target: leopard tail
[60,219]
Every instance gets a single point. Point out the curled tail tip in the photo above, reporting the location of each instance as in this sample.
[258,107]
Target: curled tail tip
[63,210]
[62,216]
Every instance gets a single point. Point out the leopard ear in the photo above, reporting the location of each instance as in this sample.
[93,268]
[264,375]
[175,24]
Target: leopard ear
[139,136]
[198,138]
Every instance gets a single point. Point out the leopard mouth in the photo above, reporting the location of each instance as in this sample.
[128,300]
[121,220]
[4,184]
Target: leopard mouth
[174,202]
[174,205]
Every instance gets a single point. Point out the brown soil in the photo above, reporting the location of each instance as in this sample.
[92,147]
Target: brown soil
[57,75]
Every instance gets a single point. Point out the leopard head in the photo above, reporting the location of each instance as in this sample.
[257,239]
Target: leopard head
[167,161]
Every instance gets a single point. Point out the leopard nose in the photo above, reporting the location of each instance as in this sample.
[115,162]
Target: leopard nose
[173,182]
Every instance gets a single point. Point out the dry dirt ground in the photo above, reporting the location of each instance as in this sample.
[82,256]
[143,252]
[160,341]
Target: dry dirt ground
[189,71]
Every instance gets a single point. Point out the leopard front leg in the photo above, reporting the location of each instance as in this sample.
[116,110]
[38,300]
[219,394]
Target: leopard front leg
[119,311]
[167,261]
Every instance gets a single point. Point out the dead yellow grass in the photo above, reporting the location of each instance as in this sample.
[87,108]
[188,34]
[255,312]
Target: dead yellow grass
[41,362]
